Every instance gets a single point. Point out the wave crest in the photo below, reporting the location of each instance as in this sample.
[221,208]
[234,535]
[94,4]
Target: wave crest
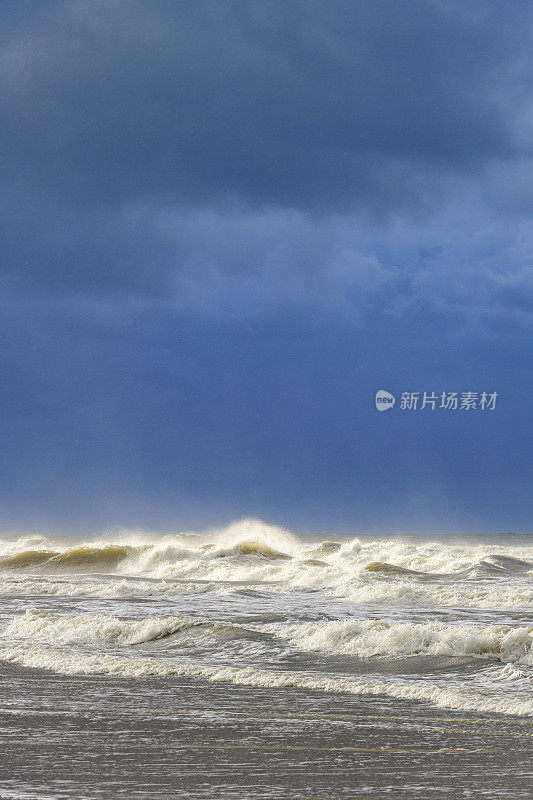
[82,558]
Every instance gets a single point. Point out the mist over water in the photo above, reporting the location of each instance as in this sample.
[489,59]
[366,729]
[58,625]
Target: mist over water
[442,620]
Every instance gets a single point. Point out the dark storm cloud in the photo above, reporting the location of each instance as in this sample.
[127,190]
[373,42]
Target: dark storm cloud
[225,224]
[309,104]
[115,111]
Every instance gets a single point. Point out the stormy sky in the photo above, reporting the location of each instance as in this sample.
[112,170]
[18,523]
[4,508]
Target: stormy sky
[225,224]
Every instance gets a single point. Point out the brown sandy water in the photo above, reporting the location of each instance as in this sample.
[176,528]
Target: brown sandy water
[89,738]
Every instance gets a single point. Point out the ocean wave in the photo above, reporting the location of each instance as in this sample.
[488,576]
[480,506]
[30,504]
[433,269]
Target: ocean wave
[86,558]
[367,571]
[452,595]
[499,565]
[392,570]
[396,596]
[361,638]
[255,539]
[87,629]
[438,620]
[385,639]
[247,548]
[249,539]
[69,662]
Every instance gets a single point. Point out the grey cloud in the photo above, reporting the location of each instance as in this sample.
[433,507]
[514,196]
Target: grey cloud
[241,263]
[226,155]
[305,104]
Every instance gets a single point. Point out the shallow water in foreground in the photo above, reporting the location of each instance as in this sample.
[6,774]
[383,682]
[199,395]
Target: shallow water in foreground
[80,738]
[252,611]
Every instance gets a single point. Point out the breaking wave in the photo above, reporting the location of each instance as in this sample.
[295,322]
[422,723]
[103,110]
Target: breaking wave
[478,697]
[447,621]
[83,558]
[384,639]
[361,638]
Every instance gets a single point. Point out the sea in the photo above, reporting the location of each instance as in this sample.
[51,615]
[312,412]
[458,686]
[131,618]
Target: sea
[423,624]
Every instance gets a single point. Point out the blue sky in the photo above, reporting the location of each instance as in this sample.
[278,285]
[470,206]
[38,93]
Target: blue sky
[224,225]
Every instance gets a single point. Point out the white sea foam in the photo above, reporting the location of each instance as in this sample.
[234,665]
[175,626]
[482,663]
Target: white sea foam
[237,548]
[456,594]
[439,694]
[397,571]
[361,638]
[222,604]
[366,638]
[87,628]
